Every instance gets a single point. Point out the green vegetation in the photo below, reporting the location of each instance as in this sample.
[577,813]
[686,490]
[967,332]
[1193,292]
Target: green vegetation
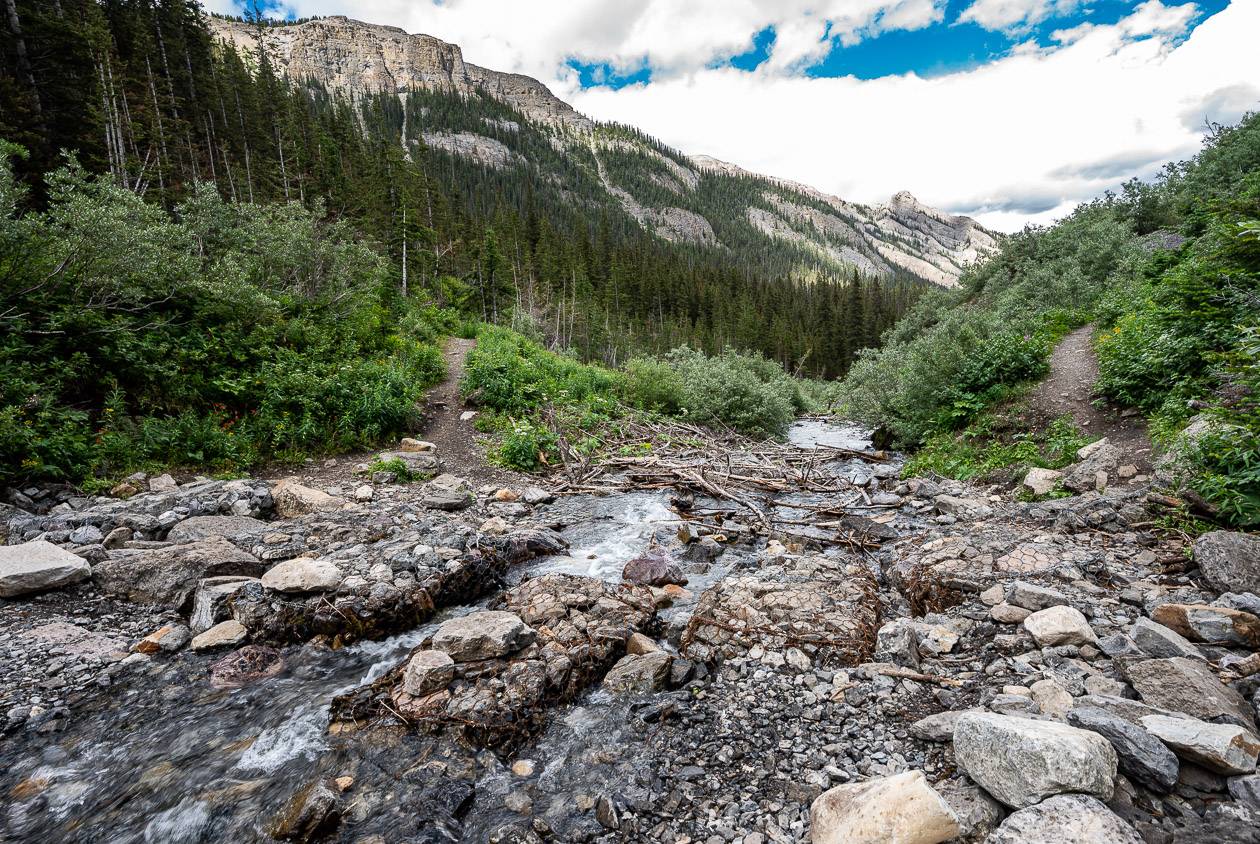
[1169,272]
[994,444]
[397,468]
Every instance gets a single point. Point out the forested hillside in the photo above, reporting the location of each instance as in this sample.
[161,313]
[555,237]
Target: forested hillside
[1170,274]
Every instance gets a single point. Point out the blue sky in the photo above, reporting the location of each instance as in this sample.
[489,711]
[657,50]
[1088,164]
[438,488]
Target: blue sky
[1012,111]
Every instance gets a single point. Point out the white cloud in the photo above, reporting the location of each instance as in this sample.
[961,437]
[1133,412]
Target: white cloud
[1023,138]
[1015,14]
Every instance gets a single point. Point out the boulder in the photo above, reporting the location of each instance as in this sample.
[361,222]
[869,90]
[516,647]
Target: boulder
[417,462]
[483,635]
[310,815]
[1229,561]
[168,576]
[897,643]
[1059,626]
[1156,640]
[900,809]
[1189,686]
[303,574]
[163,483]
[1073,818]
[210,601]
[938,727]
[292,499]
[39,565]
[447,493]
[428,671]
[639,673]
[1041,481]
[1224,748]
[1098,465]
[1021,762]
[204,527]
[1206,623]
[1142,757]
[654,567]
[225,634]
[1030,596]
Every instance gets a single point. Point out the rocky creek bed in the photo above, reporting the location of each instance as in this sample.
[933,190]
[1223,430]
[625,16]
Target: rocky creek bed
[843,657]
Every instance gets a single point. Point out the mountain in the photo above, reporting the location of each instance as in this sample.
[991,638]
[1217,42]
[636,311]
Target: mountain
[682,199]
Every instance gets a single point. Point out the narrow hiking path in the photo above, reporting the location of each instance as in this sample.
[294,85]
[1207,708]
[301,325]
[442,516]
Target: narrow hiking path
[1069,390]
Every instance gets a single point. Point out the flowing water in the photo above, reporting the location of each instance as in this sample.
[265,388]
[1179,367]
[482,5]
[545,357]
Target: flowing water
[166,759]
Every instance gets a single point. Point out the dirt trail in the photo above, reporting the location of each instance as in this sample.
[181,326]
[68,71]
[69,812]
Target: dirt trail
[1069,390]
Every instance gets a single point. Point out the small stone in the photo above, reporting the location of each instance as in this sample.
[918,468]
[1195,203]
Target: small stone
[163,483]
[1051,698]
[1033,597]
[638,673]
[1211,624]
[87,535]
[1059,626]
[994,595]
[225,634]
[493,526]
[1009,614]
[640,644]
[523,767]
[364,493]
[344,783]
[1229,561]
[414,446]
[167,639]
[1039,481]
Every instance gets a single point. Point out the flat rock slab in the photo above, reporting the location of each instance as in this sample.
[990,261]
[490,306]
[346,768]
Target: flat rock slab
[1189,686]
[169,576]
[902,808]
[225,634]
[1225,748]
[72,640]
[204,527]
[1073,818]
[1142,756]
[483,635]
[1021,762]
[293,499]
[37,566]
[303,575]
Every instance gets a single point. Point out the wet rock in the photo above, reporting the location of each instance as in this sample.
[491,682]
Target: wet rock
[427,672]
[1066,817]
[168,576]
[292,499]
[1225,748]
[167,639]
[309,815]
[1156,640]
[483,635]
[302,575]
[1021,762]
[225,634]
[903,808]
[1059,626]
[1189,686]
[198,528]
[639,673]
[1229,561]
[654,567]
[1142,757]
[1039,481]
[245,665]
[37,566]
[1215,625]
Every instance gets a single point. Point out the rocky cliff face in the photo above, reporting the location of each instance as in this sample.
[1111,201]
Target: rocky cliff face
[903,236]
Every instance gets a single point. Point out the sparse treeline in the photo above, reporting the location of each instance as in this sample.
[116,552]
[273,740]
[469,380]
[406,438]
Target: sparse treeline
[139,90]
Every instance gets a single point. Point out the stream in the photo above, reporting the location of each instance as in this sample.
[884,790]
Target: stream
[164,757]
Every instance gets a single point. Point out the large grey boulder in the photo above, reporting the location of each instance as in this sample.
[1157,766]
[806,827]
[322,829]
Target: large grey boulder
[483,635]
[1229,561]
[1094,471]
[168,576]
[1142,757]
[639,673]
[1225,748]
[39,565]
[303,574]
[902,808]
[1074,818]
[1156,640]
[204,527]
[1021,762]
[1189,686]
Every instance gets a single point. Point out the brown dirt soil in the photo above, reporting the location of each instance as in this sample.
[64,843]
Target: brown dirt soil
[1069,390]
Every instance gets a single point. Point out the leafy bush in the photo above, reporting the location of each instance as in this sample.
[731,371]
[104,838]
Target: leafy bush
[397,468]
[654,385]
[508,373]
[746,392]
[527,447]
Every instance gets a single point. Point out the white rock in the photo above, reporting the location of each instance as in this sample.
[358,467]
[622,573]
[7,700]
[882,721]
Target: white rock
[901,809]
[303,575]
[39,565]
[1059,626]
[1040,481]
[1073,818]
[163,483]
[1225,748]
[364,493]
[292,499]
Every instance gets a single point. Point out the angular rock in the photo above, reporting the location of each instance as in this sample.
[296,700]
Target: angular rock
[409,444]
[210,601]
[1021,762]
[654,567]
[1189,686]
[897,643]
[162,483]
[483,635]
[313,812]
[902,808]
[292,499]
[428,671]
[639,673]
[446,493]
[87,535]
[1156,640]
[964,508]
[168,576]
[1225,748]
[1229,561]
[167,639]
[938,727]
[39,565]
[1084,476]
[1059,626]
[1142,757]
[1030,596]
[1051,698]
[1008,614]
[1074,818]
[1214,625]
[198,528]
[1041,481]
[303,574]
[418,463]
[225,634]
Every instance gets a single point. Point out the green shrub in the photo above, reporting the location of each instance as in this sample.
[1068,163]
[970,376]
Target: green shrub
[528,447]
[397,468]
[652,384]
[745,392]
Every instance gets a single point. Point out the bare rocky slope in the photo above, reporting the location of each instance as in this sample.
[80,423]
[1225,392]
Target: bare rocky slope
[680,198]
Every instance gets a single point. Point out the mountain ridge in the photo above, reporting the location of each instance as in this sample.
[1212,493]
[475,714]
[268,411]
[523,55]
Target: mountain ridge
[362,60]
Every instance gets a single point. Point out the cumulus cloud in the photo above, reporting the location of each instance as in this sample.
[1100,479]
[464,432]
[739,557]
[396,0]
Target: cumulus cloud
[1019,139]
[1015,14]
